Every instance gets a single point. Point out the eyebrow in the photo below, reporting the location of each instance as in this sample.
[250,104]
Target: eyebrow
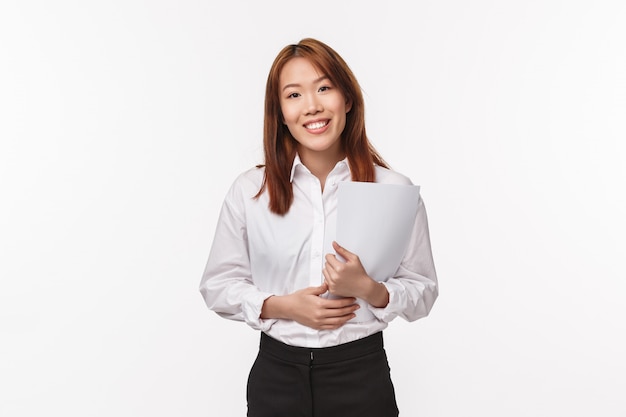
[322,78]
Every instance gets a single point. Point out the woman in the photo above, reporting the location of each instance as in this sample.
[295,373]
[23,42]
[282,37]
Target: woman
[272,263]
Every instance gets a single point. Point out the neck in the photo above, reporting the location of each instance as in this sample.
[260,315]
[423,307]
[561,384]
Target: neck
[320,164]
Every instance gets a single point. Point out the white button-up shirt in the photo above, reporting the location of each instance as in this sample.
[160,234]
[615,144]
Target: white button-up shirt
[257,254]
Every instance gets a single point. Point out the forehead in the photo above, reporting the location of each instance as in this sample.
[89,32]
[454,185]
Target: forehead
[299,71]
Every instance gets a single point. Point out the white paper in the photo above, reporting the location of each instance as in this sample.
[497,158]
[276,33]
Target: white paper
[375,222]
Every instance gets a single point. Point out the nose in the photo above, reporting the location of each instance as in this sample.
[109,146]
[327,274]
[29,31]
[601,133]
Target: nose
[313,105]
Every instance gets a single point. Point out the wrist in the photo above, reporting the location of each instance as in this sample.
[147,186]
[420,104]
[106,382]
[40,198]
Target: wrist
[376,294]
[275,307]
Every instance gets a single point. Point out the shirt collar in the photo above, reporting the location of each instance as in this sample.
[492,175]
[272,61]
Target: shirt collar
[298,162]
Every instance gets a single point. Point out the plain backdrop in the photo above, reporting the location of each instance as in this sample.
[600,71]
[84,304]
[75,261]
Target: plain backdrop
[123,123]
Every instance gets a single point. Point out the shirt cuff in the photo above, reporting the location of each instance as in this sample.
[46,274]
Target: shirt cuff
[397,303]
[251,306]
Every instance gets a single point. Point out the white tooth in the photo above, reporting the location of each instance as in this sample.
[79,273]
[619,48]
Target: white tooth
[316,125]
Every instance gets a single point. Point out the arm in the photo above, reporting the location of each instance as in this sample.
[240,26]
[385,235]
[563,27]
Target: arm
[414,287]
[226,285]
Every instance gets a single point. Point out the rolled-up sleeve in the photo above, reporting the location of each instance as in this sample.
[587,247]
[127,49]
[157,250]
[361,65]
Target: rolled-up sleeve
[227,286]
[413,289]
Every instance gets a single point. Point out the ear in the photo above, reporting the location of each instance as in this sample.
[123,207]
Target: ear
[348,106]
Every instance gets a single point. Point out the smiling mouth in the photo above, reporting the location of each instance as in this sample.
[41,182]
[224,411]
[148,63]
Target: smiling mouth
[316,125]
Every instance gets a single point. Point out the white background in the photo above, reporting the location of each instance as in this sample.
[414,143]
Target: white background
[123,123]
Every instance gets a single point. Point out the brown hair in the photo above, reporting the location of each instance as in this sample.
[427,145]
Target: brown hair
[280,146]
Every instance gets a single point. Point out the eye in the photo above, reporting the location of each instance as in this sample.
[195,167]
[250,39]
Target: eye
[324,88]
[293,95]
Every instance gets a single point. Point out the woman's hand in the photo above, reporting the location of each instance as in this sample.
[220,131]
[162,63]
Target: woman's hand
[349,279]
[309,309]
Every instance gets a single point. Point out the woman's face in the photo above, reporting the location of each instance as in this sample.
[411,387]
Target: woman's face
[314,110]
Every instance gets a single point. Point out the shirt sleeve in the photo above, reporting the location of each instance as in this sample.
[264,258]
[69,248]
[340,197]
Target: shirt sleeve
[414,288]
[227,286]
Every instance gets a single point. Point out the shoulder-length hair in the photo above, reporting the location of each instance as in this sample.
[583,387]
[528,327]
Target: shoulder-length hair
[280,146]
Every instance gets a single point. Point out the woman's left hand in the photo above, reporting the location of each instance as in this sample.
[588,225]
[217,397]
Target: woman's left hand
[349,279]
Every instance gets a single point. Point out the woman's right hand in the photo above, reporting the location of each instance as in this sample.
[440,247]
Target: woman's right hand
[309,309]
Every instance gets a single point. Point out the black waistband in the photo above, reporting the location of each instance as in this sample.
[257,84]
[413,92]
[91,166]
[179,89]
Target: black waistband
[304,355]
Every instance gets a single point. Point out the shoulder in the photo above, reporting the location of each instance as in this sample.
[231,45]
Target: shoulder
[389,176]
[252,177]
[247,184]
